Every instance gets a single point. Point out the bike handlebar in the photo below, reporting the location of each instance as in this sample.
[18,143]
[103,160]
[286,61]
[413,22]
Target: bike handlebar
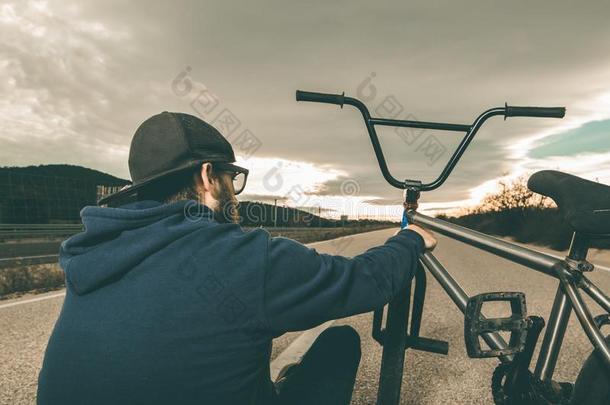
[542,112]
[510,111]
[470,130]
[338,99]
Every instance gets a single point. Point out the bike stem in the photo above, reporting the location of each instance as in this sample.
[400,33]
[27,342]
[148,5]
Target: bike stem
[396,338]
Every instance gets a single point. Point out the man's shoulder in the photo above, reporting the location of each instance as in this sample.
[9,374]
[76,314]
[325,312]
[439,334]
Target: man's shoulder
[238,234]
[258,232]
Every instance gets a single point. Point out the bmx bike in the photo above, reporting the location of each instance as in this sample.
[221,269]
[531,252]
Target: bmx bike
[586,207]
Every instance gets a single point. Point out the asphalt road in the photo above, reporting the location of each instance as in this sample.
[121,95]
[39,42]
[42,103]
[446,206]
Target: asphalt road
[428,378]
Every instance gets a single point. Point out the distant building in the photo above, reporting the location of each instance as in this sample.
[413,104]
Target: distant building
[103,190]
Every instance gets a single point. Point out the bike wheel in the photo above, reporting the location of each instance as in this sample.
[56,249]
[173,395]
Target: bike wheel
[592,386]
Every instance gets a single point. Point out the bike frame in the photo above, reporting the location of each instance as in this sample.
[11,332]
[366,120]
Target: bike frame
[567,298]
[569,272]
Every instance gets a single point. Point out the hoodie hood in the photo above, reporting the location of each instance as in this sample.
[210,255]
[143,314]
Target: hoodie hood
[117,239]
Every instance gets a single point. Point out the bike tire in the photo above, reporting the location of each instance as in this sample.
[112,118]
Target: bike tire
[592,386]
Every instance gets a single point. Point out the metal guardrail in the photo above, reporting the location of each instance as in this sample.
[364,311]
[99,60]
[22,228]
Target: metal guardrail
[28,261]
[25,231]
[31,231]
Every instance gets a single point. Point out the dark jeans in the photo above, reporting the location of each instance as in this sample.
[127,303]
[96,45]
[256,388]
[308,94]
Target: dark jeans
[326,373]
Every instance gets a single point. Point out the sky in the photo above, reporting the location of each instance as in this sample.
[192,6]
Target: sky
[78,77]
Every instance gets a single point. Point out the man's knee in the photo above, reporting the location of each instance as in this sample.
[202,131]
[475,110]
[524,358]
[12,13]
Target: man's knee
[343,333]
[344,340]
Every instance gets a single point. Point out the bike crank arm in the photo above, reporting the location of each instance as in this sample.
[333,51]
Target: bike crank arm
[460,298]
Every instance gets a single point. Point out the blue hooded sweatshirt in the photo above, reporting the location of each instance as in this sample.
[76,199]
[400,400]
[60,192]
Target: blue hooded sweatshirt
[165,305]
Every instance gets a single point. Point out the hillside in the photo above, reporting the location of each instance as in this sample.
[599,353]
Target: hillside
[78,173]
[541,226]
[49,193]
[56,194]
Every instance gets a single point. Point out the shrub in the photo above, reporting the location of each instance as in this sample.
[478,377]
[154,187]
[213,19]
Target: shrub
[27,278]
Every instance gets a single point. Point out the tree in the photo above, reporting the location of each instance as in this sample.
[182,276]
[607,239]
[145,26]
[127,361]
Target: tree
[513,195]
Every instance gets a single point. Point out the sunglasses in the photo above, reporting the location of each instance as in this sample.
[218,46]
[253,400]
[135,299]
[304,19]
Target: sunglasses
[239,175]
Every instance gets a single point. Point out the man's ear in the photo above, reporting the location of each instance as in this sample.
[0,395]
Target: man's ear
[205,174]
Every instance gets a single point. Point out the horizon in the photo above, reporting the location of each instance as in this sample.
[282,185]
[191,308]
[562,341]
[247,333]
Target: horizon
[325,213]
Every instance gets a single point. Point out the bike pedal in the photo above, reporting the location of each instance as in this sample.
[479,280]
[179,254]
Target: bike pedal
[476,324]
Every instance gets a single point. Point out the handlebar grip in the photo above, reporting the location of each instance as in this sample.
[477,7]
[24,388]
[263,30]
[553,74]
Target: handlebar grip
[544,112]
[338,99]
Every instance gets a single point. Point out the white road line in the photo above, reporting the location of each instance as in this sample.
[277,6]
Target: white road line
[296,349]
[46,297]
[596,267]
[556,254]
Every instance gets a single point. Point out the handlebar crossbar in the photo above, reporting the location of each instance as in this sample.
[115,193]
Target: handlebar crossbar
[469,130]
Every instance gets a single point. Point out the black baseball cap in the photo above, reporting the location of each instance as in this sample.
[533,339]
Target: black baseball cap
[168,143]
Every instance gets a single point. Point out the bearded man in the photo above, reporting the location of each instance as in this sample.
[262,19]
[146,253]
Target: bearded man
[169,301]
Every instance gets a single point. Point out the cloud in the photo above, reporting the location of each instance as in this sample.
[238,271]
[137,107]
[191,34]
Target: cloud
[384,201]
[79,77]
[592,137]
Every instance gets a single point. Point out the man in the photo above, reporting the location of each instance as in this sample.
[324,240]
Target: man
[169,301]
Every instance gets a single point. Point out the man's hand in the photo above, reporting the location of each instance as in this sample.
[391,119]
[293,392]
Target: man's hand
[429,239]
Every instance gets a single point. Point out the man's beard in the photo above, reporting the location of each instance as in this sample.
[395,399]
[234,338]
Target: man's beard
[227,210]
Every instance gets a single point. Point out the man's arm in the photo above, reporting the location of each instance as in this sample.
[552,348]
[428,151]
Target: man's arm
[304,288]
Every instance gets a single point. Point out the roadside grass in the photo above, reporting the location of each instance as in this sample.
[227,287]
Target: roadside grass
[318,235]
[38,278]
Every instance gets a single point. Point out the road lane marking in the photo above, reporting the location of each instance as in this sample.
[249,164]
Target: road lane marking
[595,266]
[296,349]
[547,251]
[46,297]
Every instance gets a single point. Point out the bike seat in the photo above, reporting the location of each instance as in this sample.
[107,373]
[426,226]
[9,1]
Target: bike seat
[584,203]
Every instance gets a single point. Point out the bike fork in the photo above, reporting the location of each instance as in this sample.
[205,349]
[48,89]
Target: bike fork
[394,339]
